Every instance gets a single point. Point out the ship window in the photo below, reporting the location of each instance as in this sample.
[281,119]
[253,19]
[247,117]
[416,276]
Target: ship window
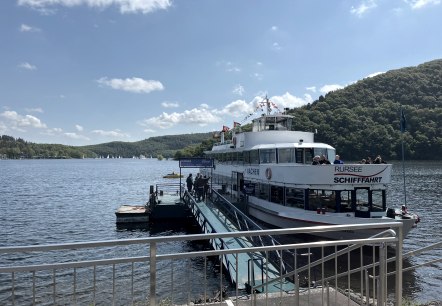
[263,191]
[286,155]
[322,199]
[362,197]
[294,197]
[247,157]
[254,157]
[320,152]
[267,156]
[300,156]
[234,157]
[240,158]
[277,194]
[308,155]
[377,197]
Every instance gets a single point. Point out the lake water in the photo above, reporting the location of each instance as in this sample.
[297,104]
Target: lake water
[60,201]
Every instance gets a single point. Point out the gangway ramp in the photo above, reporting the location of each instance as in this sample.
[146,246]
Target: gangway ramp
[245,269]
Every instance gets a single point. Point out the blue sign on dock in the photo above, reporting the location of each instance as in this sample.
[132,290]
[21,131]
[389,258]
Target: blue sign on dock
[196,163]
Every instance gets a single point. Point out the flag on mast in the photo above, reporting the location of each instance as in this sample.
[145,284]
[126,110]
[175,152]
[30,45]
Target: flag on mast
[225,128]
[235,124]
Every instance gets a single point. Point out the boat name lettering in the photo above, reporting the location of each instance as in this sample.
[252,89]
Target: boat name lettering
[357,180]
[252,171]
[348,169]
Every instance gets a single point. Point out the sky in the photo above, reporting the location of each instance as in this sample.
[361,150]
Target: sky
[82,72]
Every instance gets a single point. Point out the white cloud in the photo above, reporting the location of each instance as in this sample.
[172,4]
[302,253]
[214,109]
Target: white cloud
[332,87]
[238,90]
[113,134]
[311,88]
[418,4]
[170,104]
[274,28]
[290,101]
[236,108]
[79,128]
[125,6]
[27,28]
[27,66]
[200,115]
[136,85]
[364,7]
[76,136]
[204,115]
[3,128]
[53,131]
[17,121]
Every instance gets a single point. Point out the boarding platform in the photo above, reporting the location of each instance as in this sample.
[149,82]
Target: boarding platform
[249,270]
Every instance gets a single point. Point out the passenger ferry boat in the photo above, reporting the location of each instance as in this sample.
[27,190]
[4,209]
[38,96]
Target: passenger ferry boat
[271,168]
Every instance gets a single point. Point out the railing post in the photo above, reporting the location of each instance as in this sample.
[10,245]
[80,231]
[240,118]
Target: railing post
[296,289]
[367,288]
[398,264]
[382,275]
[153,273]
[328,294]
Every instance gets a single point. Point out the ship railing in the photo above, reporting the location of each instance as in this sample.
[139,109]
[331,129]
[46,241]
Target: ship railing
[149,271]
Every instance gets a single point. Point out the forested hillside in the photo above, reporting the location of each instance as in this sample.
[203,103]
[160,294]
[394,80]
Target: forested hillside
[154,146]
[166,146]
[363,119]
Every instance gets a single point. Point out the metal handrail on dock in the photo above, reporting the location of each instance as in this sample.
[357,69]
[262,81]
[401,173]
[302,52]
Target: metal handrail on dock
[127,277]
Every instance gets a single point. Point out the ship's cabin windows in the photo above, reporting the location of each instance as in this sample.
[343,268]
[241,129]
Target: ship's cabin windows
[263,191]
[320,152]
[240,157]
[294,197]
[322,199]
[362,202]
[246,157]
[254,157]
[378,199]
[299,155]
[286,155]
[267,156]
[277,194]
[281,123]
[308,155]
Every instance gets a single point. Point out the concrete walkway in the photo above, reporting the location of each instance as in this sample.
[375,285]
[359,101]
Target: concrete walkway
[315,297]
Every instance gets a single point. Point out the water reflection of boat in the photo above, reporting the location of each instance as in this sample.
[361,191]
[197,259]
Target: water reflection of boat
[274,169]
[173,175]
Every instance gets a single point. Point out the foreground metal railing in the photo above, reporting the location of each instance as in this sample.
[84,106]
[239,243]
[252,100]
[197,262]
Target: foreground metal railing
[151,271]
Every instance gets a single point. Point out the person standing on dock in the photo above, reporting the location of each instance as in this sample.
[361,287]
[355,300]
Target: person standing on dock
[199,187]
[206,187]
[189,182]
